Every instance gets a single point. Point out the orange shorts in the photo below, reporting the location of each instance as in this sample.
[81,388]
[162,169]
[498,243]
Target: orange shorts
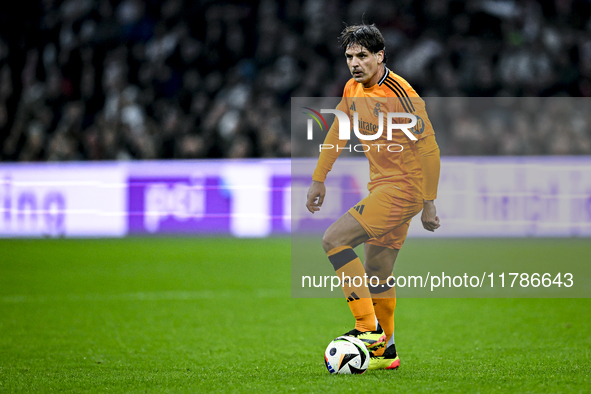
[385,217]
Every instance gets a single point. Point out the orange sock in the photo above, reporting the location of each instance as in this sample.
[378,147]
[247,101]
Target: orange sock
[348,266]
[384,302]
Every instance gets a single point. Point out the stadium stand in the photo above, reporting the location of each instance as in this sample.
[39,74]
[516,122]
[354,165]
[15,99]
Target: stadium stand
[133,79]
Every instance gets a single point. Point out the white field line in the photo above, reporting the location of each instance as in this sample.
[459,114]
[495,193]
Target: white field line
[148,296]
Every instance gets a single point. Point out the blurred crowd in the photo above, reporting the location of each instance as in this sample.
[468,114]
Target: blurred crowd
[512,125]
[160,79]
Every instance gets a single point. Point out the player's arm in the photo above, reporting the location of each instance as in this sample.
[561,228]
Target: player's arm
[328,155]
[430,164]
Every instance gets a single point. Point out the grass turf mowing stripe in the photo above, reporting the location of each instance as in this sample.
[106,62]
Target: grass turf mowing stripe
[147,296]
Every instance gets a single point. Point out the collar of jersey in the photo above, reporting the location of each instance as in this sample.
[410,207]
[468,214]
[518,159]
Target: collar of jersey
[385,76]
[377,85]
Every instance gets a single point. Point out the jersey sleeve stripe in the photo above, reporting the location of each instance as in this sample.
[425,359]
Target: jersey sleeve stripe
[402,100]
[392,80]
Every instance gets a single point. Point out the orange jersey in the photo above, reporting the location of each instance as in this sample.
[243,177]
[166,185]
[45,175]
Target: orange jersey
[395,162]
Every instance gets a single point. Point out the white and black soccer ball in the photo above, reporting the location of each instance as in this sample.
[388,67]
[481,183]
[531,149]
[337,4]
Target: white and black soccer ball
[346,355]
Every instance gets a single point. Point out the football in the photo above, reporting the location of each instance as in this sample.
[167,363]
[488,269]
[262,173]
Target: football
[346,355]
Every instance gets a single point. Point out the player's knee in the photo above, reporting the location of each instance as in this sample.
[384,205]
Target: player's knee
[328,242]
[332,240]
[373,268]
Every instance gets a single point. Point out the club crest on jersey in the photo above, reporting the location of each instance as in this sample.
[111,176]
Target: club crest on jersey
[377,109]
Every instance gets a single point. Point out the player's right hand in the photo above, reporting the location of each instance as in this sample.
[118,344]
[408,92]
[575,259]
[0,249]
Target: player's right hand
[315,196]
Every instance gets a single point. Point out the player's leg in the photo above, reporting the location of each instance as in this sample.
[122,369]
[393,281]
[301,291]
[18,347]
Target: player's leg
[338,242]
[375,215]
[380,257]
[346,231]
[379,262]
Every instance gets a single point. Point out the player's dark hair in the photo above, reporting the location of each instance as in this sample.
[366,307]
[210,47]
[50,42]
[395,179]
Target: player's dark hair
[368,36]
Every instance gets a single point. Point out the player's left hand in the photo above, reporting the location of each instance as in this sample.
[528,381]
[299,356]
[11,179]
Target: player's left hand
[429,216]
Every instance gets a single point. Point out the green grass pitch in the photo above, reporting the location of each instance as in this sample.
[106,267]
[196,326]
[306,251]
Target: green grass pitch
[215,315]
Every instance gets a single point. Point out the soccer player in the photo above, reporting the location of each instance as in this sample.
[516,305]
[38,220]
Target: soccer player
[403,182]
